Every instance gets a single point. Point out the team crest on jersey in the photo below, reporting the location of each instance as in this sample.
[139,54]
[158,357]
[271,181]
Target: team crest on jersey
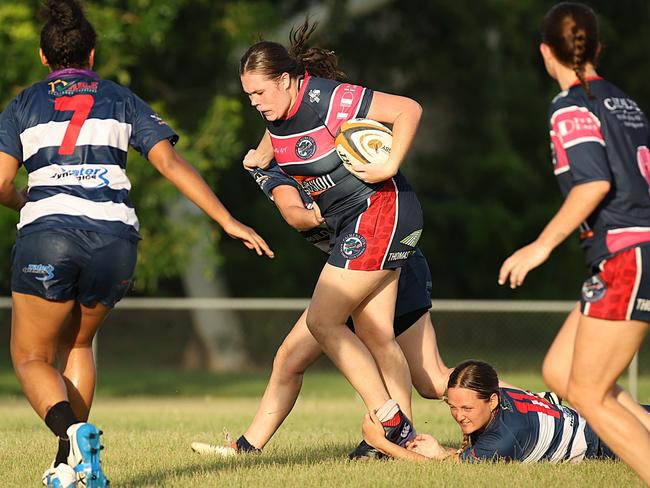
[62,87]
[353,246]
[593,289]
[314,96]
[305,147]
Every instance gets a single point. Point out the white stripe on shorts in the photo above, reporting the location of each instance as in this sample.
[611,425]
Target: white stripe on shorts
[637,282]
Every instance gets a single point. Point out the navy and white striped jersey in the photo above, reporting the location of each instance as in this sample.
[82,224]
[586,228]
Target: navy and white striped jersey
[605,138]
[303,142]
[72,132]
[528,428]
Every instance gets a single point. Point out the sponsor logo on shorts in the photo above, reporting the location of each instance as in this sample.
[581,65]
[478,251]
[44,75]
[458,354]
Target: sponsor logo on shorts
[45,271]
[406,430]
[260,178]
[305,147]
[412,239]
[397,256]
[593,289]
[82,173]
[353,245]
[643,304]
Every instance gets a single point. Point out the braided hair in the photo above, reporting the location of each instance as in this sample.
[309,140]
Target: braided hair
[272,59]
[571,31]
[67,37]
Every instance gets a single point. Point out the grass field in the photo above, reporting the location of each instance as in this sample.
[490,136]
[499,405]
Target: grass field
[147,438]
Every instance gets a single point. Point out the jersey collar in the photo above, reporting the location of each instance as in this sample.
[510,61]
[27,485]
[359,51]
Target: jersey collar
[72,72]
[588,78]
[301,94]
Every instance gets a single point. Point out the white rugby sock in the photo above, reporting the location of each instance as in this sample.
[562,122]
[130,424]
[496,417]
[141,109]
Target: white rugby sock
[387,411]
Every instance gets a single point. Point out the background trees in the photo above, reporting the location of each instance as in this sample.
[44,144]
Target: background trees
[481,164]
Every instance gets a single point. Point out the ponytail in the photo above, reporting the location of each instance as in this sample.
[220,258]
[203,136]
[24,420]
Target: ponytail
[273,59]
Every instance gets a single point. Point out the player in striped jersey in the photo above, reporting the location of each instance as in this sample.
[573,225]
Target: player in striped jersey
[373,213]
[76,246]
[600,141]
[500,424]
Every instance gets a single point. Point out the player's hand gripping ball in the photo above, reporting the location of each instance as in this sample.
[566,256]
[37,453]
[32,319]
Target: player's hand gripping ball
[363,141]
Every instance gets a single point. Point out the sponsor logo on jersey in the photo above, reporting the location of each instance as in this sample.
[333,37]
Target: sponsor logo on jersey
[305,147]
[45,271]
[396,256]
[158,119]
[353,245]
[318,185]
[614,103]
[643,304]
[84,174]
[314,96]
[345,103]
[62,87]
[412,239]
[593,289]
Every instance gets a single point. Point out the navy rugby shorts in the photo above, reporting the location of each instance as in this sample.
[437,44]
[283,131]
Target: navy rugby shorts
[73,264]
[620,287]
[413,293]
[382,234]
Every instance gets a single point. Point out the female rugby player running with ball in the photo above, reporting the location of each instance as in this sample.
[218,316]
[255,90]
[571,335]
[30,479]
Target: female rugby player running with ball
[76,247]
[413,329]
[370,209]
[600,139]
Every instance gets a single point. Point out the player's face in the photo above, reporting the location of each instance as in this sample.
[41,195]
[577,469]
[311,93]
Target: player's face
[469,411]
[271,97]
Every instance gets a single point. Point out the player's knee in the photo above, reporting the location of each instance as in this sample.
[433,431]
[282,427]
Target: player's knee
[317,324]
[287,362]
[555,379]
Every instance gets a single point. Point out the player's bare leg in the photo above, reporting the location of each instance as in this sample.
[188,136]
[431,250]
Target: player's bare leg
[76,360]
[429,373]
[374,325]
[603,349]
[36,326]
[298,351]
[558,363]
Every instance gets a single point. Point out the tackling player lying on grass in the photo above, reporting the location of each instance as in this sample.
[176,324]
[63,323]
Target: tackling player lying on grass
[504,424]
[414,330]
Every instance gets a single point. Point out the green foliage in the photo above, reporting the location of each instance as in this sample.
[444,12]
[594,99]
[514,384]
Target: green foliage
[480,163]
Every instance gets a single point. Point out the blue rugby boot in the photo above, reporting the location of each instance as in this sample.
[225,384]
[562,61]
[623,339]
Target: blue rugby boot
[84,455]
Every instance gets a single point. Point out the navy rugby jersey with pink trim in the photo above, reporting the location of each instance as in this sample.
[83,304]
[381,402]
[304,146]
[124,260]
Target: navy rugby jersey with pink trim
[528,429]
[607,138]
[72,132]
[303,142]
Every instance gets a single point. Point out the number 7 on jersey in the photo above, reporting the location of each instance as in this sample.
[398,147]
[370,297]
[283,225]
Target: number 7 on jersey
[81,105]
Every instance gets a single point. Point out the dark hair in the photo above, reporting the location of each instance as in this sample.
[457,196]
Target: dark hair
[67,38]
[477,376]
[272,59]
[571,30]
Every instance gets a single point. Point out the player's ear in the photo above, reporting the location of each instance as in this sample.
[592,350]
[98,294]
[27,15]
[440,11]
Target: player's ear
[494,401]
[285,81]
[44,61]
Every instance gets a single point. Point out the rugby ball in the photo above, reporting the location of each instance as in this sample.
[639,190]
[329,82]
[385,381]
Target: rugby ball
[363,141]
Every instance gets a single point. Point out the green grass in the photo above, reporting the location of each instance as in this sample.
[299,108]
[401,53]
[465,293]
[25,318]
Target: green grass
[147,438]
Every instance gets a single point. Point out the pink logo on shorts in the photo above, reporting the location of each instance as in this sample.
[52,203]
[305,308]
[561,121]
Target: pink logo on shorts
[643,158]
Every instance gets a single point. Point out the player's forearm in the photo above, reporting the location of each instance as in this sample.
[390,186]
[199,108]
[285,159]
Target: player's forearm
[395,451]
[579,204]
[404,129]
[299,217]
[265,149]
[10,197]
[191,184]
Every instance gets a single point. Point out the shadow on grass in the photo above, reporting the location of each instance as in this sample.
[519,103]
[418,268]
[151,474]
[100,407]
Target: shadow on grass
[207,465]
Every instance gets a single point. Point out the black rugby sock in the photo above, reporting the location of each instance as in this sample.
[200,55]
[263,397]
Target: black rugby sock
[58,419]
[244,446]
